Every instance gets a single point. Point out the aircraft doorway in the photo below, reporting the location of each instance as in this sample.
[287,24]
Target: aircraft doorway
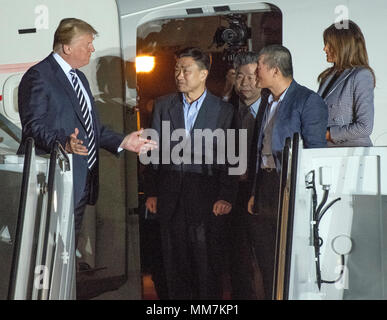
[223,36]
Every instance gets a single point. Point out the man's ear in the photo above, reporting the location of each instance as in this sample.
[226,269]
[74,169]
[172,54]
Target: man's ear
[204,74]
[66,49]
[276,72]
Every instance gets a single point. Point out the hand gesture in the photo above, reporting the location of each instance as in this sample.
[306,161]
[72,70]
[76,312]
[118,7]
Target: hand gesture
[134,142]
[74,145]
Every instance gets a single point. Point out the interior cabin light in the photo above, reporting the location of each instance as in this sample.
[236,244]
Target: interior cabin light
[145,63]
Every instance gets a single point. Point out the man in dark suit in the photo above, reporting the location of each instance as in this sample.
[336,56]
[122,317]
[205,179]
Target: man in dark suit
[291,108]
[191,198]
[56,104]
[245,118]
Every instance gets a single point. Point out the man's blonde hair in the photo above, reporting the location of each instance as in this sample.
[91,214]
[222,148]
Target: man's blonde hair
[68,29]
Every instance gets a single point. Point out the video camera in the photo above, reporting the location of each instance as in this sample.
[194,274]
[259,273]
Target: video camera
[234,36]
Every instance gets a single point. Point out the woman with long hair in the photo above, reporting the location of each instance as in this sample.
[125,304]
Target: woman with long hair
[347,87]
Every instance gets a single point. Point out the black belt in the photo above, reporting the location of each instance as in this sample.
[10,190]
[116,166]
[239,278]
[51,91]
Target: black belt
[268,169]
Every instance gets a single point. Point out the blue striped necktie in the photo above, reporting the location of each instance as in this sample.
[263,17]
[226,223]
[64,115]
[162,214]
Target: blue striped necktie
[92,156]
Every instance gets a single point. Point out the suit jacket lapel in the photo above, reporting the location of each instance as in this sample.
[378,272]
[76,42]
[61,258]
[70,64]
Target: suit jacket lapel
[93,111]
[176,113]
[344,75]
[207,113]
[325,84]
[258,132]
[68,88]
[283,108]
[200,121]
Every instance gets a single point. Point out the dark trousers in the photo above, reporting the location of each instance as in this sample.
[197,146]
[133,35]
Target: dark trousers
[151,252]
[263,225]
[239,246]
[193,255]
[80,207]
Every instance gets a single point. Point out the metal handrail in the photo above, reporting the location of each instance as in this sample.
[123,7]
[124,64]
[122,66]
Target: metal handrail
[286,219]
[57,152]
[20,217]
[13,129]
[278,273]
[292,201]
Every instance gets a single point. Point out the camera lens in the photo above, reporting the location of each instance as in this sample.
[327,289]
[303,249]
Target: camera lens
[234,37]
[230,36]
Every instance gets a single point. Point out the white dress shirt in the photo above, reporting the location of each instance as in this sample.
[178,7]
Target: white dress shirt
[267,159]
[66,69]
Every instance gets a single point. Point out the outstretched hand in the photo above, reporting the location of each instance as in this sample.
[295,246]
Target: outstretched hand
[134,142]
[75,145]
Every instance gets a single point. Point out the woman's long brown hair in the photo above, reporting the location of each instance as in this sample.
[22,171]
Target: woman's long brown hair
[348,47]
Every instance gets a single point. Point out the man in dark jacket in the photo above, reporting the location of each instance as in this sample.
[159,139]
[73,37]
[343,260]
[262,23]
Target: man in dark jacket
[56,104]
[291,108]
[191,197]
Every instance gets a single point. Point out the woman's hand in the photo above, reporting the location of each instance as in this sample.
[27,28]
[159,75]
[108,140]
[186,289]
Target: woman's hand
[328,136]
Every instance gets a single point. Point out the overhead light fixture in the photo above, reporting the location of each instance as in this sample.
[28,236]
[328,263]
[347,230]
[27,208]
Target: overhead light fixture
[145,63]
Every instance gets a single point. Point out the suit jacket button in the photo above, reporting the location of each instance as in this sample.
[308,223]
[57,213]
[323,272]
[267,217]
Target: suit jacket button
[85,137]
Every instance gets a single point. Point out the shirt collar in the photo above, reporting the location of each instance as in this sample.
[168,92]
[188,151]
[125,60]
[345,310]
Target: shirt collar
[197,102]
[254,107]
[63,64]
[271,97]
